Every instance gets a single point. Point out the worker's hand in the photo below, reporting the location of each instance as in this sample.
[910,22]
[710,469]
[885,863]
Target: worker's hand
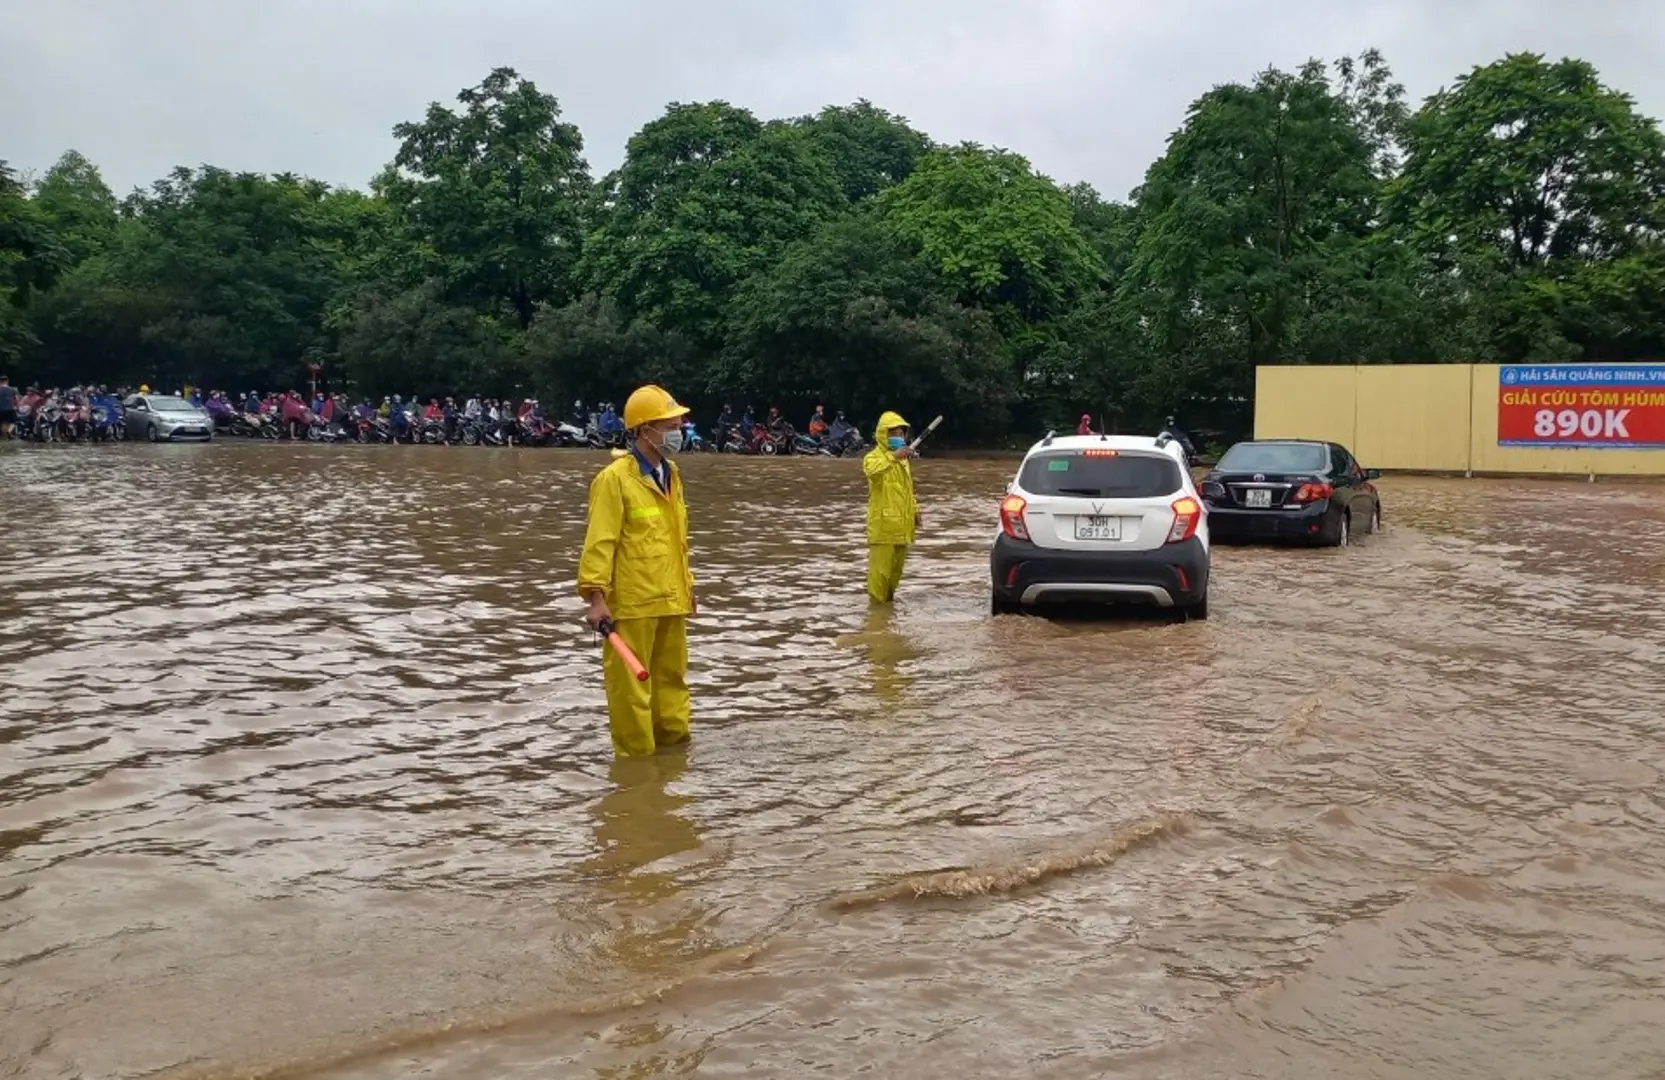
[598,612]
[904,454]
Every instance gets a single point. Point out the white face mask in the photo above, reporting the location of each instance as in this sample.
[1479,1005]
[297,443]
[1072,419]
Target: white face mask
[670,441]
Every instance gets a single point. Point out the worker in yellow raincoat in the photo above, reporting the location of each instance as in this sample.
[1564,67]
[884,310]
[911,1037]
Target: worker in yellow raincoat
[635,572]
[892,509]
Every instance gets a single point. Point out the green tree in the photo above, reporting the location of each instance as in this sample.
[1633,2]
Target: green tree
[422,344]
[236,271]
[495,194]
[1002,234]
[869,149]
[588,351]
[1255,239]
[74,200]
[1544,190]
[31,258]
[851,317]
[705,198]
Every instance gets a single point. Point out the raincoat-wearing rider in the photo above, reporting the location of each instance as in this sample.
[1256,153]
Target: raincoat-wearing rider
[892,509]
[635,571]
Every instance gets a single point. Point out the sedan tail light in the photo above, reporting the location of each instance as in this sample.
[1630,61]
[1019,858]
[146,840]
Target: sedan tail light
[1307,493]
[1011,517]
[1187,515]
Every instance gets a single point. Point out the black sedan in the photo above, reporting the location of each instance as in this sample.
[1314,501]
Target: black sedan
[1291,489]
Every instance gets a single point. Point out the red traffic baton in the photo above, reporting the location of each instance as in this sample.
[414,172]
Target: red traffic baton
[606,629]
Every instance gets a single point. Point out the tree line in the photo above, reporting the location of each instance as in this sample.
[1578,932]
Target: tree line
[1311,216]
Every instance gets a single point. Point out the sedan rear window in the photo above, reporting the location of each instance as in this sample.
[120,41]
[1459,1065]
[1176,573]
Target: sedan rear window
[1273,457]
[1119,476]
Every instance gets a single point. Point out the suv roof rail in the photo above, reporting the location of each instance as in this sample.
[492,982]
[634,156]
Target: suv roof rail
[1048,440]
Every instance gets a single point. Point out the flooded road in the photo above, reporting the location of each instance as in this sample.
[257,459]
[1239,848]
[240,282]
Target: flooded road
[304,772]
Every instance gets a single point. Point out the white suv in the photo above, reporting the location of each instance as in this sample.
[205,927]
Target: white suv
[1106,519]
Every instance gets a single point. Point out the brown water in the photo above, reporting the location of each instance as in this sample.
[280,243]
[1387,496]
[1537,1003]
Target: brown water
[303,772]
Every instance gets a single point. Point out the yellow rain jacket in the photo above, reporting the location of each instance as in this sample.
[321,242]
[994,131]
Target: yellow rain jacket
[636,545]
[891,505]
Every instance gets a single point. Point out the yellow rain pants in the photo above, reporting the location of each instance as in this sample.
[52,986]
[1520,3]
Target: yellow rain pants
[884,570]
[646,716]
[892,511]
[636,555]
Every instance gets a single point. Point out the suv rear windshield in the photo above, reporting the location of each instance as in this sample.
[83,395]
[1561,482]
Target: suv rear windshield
[1124,476]
[1273,457]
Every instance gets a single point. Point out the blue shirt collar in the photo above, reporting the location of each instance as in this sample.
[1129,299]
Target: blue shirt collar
[660,476]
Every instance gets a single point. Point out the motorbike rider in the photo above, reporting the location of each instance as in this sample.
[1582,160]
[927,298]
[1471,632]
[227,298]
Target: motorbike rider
[1086,425]
[634,573]
[294,416]
[892,509]
[220,409]
[818,422]
[8,408]
[610,424]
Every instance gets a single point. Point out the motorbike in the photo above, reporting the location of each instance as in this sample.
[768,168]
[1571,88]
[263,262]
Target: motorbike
[843,440]
[1172,432]
[804,445]
[600,440]
[109,421]
[568,434]
[47,421]
[692,443]
[325,431]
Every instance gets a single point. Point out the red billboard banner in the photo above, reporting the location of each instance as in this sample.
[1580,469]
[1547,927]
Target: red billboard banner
[1613,406]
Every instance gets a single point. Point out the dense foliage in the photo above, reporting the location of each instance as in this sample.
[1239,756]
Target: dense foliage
[1306,217]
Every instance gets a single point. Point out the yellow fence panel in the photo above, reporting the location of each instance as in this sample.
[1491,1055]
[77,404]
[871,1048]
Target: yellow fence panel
[1413,417]
[1306,402]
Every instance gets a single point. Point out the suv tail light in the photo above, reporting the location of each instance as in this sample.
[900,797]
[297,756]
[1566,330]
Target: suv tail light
[1187,515]
[1011,517]
[1312,493]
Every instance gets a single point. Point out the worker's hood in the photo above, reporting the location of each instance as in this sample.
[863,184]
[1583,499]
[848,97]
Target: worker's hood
[886,422]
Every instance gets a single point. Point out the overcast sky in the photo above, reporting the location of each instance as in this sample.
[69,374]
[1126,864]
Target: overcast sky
[1087,89]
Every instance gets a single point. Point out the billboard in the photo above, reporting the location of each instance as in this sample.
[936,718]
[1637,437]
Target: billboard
[1591,406]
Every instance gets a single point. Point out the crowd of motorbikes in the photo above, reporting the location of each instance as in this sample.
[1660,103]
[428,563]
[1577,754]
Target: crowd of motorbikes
[91,415]
[76,415]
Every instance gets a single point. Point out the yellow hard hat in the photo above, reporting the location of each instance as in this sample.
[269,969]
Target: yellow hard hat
[144,388]
[648,404]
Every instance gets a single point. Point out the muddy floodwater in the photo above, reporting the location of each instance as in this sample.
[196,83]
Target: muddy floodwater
[304,772]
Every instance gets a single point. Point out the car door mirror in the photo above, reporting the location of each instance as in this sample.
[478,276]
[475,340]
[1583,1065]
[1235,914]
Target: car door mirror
[1372,474]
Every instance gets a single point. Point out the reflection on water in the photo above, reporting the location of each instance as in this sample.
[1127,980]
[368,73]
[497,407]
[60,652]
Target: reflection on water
[304,771]
[887,651]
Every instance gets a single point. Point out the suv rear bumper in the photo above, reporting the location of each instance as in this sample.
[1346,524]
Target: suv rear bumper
[1174,575]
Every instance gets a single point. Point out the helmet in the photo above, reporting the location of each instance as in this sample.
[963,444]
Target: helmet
[890,421]
[648,404]
[144,388]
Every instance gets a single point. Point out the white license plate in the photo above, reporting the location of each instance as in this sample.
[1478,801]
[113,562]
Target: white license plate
[1098,528]
[1261,497]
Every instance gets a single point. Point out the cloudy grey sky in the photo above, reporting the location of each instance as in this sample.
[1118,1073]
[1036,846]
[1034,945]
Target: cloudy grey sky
[1088,89]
